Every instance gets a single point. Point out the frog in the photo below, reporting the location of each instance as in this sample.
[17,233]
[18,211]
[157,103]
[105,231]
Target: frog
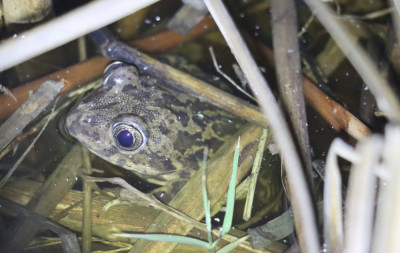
[136,122]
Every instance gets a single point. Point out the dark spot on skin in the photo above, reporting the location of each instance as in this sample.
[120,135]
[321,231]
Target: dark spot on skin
[188,163]
[142,152]
[183,118]
[163,128]
[223,129]
[169,99]
[199,121]
[168,165]
[215,144]
[185,174]
[186,141]
[197,136]
[127,88]
[163,165]
[196,156]
[199,106]
[113,150]
[95,136]
[146,114]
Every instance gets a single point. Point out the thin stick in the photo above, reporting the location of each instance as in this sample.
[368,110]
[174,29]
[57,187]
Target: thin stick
[65,29]
[288,73]
[330,110]
[151,200]
[19,161]
[301,200]
[93,68]
[29,111]
[214,60]
[184,82]
[254,175]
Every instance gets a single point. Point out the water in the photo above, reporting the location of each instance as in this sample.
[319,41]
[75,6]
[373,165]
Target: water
[253,17]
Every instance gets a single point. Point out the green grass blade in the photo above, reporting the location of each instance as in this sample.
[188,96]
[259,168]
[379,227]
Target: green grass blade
[167,238]
[232,245]
[230,202]
[206,201]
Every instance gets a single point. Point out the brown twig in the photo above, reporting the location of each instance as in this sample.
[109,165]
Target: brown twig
[385,97]
[84,72]
[334,113]
[29,111]
[73,76]
[184,82]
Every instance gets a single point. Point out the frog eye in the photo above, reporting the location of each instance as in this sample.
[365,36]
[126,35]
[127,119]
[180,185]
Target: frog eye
[128,134]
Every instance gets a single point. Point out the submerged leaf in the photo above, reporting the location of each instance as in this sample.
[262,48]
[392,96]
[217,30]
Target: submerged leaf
[167,238]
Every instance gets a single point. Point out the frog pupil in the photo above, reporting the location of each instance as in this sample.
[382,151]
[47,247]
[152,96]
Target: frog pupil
[125,138]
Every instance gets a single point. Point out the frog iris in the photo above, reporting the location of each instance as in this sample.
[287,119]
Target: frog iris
[128,134]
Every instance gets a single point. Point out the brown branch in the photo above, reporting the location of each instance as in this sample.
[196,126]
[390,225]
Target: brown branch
[334,113]
[84,72]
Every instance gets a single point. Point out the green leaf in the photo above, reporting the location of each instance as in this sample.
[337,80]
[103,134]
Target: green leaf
[230,202]
[206,201]
[232,245]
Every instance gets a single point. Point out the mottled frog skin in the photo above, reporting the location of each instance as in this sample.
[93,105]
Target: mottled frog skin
[166,131]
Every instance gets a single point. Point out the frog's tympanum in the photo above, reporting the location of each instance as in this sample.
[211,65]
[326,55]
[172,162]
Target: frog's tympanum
[134,122]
